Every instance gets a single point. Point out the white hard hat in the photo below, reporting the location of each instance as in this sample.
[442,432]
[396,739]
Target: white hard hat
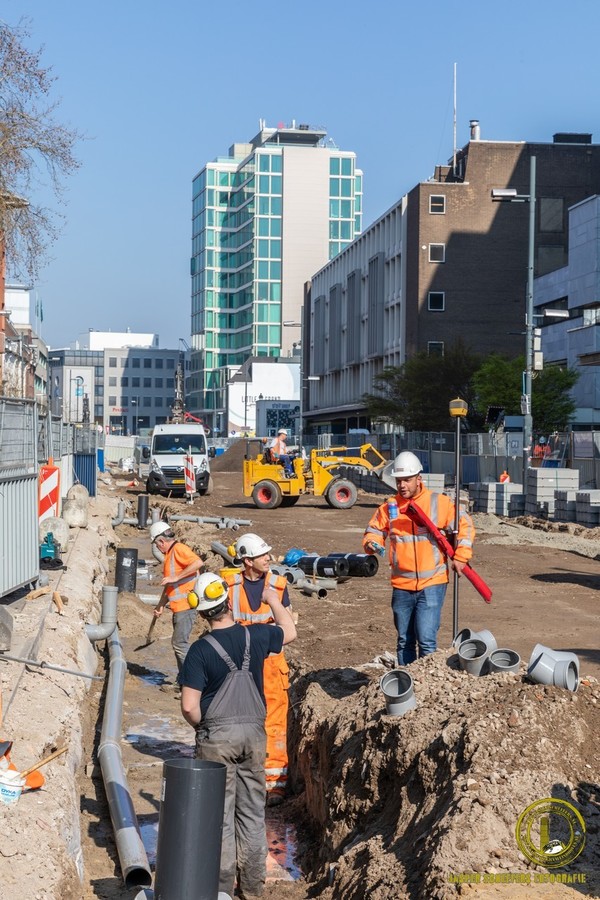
[406,465]
[210,593]
[157,529]
[282,431]
[250,545]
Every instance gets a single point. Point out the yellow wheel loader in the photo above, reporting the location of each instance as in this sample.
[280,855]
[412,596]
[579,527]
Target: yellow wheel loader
[268,485]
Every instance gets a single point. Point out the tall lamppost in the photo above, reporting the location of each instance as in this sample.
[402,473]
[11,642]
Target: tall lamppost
[304,380]
[134,403]
[510,195]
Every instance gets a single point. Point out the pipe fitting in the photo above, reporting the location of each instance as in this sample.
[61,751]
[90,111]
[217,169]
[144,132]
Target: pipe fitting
[108,616]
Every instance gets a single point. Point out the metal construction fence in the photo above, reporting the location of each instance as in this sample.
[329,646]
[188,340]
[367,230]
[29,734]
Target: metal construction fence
[484,457]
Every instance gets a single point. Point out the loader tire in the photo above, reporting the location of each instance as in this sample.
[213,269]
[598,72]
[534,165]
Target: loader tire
[342,494]
[267,495]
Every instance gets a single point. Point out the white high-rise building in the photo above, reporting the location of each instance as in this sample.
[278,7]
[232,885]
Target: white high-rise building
[265,218]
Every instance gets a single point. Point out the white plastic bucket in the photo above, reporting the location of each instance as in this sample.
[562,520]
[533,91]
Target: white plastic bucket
[397,687]
[11,786]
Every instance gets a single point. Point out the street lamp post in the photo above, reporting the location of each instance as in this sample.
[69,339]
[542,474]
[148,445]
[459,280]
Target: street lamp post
[510,195]
[134,403]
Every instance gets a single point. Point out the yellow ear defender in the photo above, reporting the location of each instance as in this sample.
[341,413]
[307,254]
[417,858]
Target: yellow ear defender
[215,591]
[193,599]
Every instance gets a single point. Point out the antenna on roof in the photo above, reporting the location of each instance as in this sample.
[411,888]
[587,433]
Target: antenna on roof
[454,132]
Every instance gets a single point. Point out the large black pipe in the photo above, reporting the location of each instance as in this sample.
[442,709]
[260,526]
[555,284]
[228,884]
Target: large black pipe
[362,565]
[324,565]
[190,826]
[126,569]
[142,509]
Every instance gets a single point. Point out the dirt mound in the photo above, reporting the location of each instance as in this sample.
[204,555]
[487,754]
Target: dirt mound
[231,460]
[400,805]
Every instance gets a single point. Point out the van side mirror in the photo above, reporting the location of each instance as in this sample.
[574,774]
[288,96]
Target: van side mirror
[145,452]
[212,452]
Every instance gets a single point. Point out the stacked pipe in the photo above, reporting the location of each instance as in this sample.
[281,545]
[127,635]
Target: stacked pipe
[340,565]
[362,565]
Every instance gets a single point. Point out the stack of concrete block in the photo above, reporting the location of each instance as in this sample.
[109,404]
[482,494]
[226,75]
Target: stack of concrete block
[565,506]
[541,486]
[493,497]
[587,507]
[516,505]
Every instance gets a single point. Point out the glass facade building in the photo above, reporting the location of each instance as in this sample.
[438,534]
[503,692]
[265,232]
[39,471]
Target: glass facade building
[265,218]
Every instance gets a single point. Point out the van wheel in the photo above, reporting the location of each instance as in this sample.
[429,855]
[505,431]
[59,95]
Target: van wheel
[205,492]
[342,494]
[267,495]
[149,490]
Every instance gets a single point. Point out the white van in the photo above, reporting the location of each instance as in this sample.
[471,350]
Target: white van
[168,445]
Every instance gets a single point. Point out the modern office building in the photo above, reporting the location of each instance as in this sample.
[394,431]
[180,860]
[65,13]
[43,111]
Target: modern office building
[567,305]
[264,219]
[445,262]
[127,388]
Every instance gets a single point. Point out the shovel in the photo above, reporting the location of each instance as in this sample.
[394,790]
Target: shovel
[43,762]
[149,638]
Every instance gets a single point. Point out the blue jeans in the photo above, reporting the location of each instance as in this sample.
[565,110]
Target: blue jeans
[286,462]
[417,620]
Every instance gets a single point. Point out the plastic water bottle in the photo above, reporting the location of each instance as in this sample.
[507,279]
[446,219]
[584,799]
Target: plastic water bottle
[393,509]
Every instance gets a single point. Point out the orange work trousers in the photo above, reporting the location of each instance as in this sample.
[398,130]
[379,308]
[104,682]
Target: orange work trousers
[276,686]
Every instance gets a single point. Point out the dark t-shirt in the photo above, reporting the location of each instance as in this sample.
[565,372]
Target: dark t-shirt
[254,590]
[205,671]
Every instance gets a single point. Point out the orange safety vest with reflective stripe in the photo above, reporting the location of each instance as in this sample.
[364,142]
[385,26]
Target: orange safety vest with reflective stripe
[275,675]
[416,560]
[278,447]
[240,606]
[177,558]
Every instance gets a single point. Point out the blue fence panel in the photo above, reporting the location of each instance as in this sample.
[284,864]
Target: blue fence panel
[85,470]
[470,469]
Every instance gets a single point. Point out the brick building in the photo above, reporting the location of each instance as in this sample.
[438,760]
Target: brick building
[444,262]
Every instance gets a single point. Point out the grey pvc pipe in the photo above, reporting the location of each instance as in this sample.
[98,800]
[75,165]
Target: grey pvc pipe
[188,854]
[108,616]
[330,584]
[132,855]
[311,589]
[221,549]
[221,522]
[154,515]
[120,517]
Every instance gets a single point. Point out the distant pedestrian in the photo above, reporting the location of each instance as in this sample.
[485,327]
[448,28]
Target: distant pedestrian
[222,698]
[419,570]
[180,568]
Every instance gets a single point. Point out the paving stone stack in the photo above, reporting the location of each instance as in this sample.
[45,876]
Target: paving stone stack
[587,507]
[542,484]
[564,506]
[495,497]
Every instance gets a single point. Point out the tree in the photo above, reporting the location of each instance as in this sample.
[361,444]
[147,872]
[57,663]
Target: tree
[32,145]
[498,382]
[417,394]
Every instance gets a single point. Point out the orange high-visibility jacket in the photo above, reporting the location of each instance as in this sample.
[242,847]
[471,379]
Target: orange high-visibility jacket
[416,560]
[177,558]
[275,675]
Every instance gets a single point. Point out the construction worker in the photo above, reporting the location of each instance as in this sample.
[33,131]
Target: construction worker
[222,698]
[180,568]
[280,454]
[247,591]
[541,449]
[419,570]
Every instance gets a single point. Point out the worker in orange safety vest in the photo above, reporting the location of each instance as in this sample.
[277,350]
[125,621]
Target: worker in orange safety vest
[247,594]
[180,567]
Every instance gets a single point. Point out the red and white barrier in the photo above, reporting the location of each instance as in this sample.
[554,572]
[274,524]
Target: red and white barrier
[49,491]
[190,475]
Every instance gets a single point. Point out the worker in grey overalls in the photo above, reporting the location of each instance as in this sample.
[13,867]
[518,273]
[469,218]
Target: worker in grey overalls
[222,698]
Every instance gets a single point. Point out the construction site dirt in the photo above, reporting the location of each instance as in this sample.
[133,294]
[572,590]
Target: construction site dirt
[419,806]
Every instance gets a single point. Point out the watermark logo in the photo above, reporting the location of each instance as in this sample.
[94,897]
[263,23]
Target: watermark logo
[550,833]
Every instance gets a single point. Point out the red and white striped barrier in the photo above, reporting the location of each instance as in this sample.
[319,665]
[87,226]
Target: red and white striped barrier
[49,491]
[190,475]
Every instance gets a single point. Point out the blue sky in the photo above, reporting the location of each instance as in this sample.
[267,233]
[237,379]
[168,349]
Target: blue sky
[161,88]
